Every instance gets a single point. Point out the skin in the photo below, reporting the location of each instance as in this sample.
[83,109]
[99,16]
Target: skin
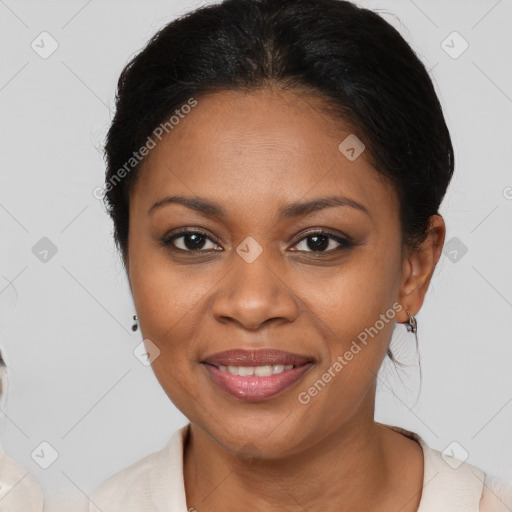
[272,148]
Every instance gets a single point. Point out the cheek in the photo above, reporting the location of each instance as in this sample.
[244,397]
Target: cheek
[356,340]
[170,305]
[165,294]
[167,302]
[354,312]
[355,295]
[171,309]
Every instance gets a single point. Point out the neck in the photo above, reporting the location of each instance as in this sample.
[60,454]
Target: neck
[348,469]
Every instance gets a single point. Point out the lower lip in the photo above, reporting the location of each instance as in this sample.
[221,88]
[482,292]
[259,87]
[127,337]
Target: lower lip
[256,388]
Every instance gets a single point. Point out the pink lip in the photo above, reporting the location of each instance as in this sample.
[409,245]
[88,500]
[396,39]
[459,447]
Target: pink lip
[260,357]
[254,388]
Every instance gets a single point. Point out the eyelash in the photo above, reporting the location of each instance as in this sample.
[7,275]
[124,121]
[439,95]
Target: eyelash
[167,241]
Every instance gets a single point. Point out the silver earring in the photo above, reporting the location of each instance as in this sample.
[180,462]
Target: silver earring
[412,324]
[135,326]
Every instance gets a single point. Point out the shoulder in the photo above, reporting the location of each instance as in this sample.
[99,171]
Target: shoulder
[453,483]
[128,486]
[496,496]
[19,490]
[155,479]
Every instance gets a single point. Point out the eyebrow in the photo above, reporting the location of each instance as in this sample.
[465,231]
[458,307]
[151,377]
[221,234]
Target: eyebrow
[288,211]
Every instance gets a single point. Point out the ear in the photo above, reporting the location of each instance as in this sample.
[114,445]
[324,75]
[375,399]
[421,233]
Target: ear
[418,267]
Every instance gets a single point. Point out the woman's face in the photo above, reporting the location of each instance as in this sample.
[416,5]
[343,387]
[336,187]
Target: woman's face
[257,276]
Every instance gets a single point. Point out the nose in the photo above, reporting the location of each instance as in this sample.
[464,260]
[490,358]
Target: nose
[254,293]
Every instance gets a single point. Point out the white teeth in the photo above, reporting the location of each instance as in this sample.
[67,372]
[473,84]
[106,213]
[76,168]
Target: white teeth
[261,371]
[247,371]
[258,371]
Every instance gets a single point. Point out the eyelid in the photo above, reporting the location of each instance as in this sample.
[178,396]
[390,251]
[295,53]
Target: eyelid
[325,232]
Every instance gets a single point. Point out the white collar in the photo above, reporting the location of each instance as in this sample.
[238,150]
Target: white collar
[447,487]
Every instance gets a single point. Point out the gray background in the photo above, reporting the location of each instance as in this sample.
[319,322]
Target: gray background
[65,321]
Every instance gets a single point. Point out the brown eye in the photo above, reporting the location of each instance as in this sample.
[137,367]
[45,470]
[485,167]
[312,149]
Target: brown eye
[189,241]
[322,241]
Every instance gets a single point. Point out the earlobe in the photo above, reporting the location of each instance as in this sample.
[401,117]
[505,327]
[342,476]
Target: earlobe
[419,266]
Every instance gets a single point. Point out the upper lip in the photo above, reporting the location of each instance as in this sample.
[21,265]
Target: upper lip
[260,357]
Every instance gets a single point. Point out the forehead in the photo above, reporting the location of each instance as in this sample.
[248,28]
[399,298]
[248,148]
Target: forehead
[260,145]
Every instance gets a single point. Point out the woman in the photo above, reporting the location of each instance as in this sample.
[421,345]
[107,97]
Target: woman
[275,171]
[19,490]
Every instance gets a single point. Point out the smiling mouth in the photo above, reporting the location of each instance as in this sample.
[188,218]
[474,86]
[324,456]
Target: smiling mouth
[256,383]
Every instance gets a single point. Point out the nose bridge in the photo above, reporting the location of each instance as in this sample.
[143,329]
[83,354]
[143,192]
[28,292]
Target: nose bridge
[253,282]
[253,291]
[252,268]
